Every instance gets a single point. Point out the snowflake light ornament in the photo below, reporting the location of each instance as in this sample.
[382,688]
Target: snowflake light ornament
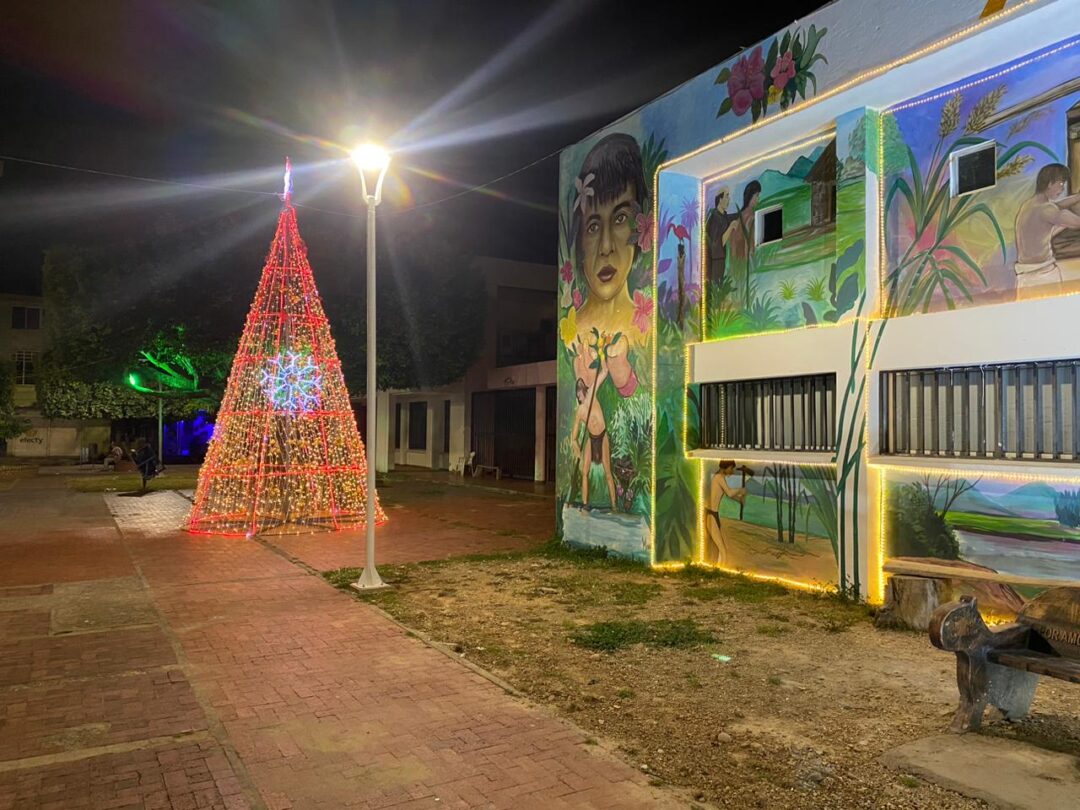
[292,382]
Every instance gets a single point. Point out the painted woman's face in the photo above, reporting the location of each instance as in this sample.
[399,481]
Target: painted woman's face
[606,249]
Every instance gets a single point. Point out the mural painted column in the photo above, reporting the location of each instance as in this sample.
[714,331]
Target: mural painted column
[855,240]
[605,353]
[678,321]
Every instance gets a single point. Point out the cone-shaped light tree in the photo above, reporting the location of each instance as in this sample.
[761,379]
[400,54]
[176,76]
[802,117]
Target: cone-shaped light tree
[286,457]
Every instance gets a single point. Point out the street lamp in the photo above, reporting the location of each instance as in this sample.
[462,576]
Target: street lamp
[372,162]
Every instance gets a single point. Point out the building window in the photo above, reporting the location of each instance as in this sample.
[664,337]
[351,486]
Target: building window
[446,427]
[779,413]
[397,425]
[973,168]
[26,317]
[418,426]
[1023,411]
[769,225]
[24,368]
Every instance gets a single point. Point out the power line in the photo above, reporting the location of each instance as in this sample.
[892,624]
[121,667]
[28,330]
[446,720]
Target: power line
[234,190]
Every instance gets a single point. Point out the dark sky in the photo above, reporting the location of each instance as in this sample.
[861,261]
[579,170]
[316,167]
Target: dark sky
[220,90]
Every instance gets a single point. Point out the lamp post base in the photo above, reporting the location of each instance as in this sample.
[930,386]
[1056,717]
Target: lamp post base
[370,581]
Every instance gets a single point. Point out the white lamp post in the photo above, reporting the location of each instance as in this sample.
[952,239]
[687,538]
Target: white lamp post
[372,162]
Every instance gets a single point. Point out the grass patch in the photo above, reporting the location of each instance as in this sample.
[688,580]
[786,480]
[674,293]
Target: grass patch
[771,629]
[584,589]
[708,586]
[909,781]
[343,578]
[773,680]
[834,615]
[1006,526]
[634,593]
[612,636]
[130,482]
[586,557]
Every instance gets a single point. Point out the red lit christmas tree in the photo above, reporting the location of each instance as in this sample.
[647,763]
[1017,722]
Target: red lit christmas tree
[285,457]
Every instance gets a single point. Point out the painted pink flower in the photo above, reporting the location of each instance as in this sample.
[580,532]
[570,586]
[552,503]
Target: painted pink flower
[643,306]
[644,232]
[784,70]
[747,81]
[578,300]
[567,272]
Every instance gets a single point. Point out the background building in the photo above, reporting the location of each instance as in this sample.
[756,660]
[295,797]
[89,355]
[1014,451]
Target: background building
[23,343]
[503,409]
[818,305]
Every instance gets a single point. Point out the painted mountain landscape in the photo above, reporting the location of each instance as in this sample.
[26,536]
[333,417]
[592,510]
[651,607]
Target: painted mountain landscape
[1025,530]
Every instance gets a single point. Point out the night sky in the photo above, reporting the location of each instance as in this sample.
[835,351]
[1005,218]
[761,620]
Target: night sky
[219,92]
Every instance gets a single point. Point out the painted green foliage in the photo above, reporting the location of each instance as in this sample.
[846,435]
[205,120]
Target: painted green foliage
[949,249]
[776,77]
[604,358]
[676,476]
[814,273]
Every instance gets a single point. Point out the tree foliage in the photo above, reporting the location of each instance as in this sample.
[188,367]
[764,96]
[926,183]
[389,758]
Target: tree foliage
[185,287]
[1067,507]
[918,518]
[429,314]
[11,424]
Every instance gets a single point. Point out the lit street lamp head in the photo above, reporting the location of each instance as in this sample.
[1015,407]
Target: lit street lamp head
[372,162]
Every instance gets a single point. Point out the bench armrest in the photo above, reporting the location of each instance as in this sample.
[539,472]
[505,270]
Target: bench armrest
[958,627]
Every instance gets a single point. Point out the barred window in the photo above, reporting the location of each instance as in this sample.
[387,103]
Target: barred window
[1025,411]
[776,413]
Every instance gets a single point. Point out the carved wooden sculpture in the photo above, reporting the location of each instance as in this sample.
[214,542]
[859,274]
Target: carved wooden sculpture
[1001,666]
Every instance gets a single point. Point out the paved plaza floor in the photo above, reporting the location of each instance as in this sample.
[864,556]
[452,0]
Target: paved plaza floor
[142,667]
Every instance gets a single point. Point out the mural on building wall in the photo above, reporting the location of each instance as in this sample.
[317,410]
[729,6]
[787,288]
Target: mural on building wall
[814,274]
[771,519]
[1020,235]
[604,360]
[709,107]
[1027,529]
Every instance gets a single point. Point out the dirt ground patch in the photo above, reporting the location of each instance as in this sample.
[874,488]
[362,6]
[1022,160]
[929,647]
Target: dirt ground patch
[743,693]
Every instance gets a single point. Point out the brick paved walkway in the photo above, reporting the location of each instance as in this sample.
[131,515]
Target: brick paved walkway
[161,670]
[428,521]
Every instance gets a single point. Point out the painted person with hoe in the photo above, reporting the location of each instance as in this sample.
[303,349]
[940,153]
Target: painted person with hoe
[719,488]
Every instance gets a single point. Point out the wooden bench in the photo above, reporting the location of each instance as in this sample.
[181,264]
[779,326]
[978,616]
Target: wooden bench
[918,585]
[1001,665]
